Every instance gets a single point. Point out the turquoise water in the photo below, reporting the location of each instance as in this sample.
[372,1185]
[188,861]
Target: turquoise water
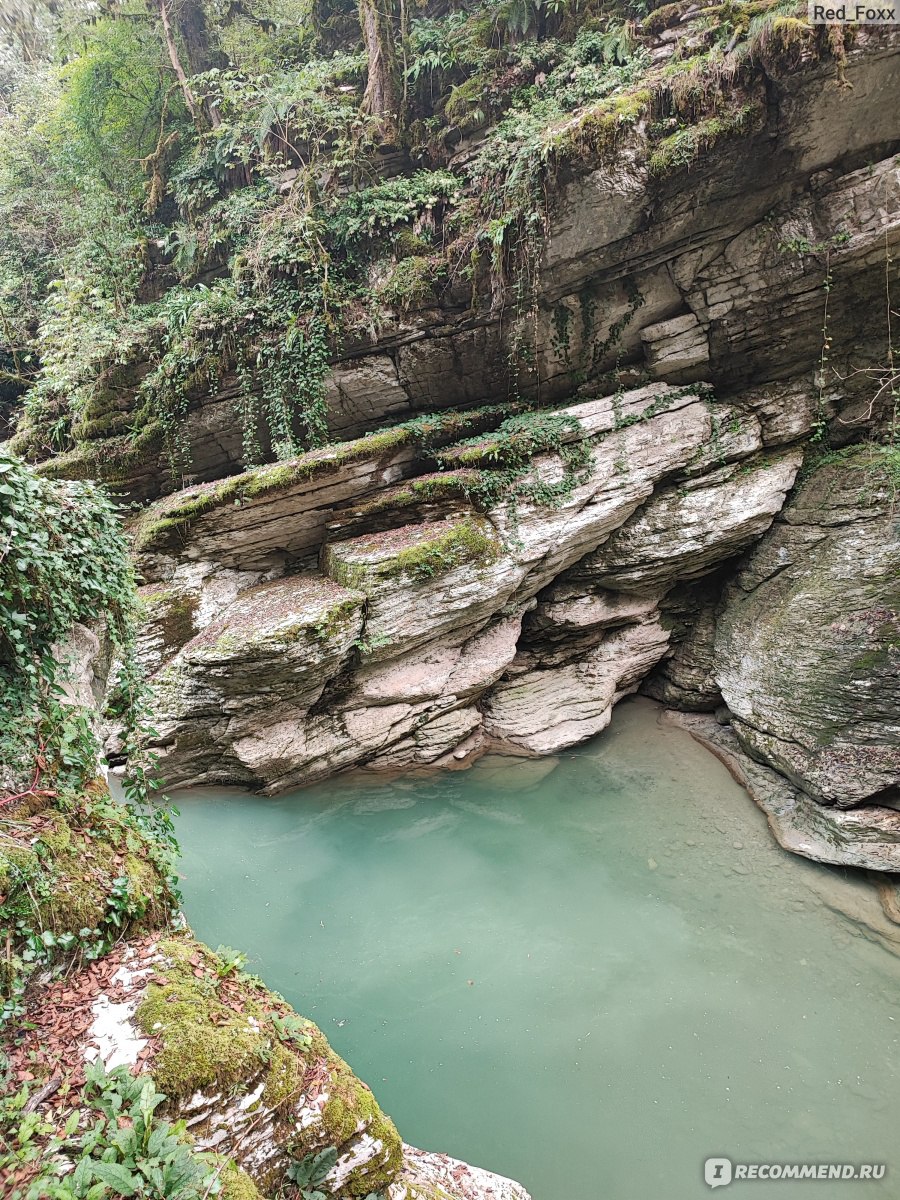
[590,973]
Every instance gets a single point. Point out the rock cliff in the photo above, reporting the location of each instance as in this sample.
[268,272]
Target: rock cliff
[544,521]
[431,621]
[653,445]
[681,265]
[499,575]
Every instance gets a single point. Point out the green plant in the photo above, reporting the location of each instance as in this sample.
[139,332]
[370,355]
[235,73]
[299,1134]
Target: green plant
[506,456]
[802,247]
[366,645]
[312,1171]
[292,1029]
[63,561]
[229,961]
[117,1146]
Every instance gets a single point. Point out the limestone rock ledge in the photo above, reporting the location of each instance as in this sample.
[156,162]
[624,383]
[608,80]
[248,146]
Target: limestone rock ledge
[713,270]
[441,617]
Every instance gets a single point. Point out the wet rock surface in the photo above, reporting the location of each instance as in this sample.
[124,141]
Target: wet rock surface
[867,837]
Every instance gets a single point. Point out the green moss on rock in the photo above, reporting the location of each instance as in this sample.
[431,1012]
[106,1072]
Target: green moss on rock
[65,880]
[416,552]
[110,459]
[213,1031]
[351,1107]
[684,147]
[202,1042]
[411,284]
[426,489]
[172,517]
[172,614]
[237,1185]
[464,543]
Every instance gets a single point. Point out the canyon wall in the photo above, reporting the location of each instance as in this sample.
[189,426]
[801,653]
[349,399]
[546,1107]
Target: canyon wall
[712,270]
[499,575]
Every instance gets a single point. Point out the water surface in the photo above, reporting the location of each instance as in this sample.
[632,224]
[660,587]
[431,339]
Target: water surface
[590,979]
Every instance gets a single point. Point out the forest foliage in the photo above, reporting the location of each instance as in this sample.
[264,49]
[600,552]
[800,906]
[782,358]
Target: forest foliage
[199,189]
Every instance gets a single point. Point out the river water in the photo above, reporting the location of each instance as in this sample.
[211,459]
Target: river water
[589,973]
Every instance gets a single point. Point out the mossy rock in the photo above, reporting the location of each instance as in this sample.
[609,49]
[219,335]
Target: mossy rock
[110,460]
[77,879]
[684,147]
[414,552]
[237,1185]
[202,1043]
[216,1033]
[277,618]
[412,283]
[64,880]
[165,524]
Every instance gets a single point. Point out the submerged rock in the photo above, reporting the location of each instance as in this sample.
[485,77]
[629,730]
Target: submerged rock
[867,837]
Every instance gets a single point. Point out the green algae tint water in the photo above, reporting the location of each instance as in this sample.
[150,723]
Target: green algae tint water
[590,974]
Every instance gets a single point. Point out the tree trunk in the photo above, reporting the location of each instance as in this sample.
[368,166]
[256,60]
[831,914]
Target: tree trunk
[171,47]
[376,19]
[193,33]
[184,24]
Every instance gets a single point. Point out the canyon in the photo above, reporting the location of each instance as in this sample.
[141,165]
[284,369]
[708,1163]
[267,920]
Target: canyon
[672,471]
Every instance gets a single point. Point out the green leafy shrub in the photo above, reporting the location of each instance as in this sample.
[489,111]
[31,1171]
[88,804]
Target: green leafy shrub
[117,1146]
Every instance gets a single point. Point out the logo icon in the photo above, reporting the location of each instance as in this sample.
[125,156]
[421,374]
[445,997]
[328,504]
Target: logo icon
[717,1171]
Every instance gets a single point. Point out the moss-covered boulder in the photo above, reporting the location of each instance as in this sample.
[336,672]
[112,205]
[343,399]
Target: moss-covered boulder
[251,1078]
[73,879]
[250,1086]
[252,1082]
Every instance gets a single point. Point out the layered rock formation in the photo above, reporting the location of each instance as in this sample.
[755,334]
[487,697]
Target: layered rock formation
[804,648]
[468,579]
[435,619]
[714,272]
[389,647]
[807,650]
